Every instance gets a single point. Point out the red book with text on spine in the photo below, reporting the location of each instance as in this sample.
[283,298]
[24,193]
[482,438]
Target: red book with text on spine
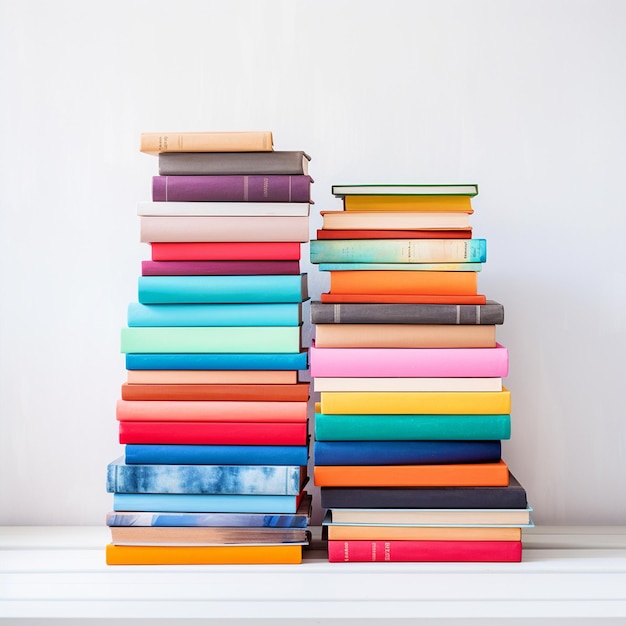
[396,551]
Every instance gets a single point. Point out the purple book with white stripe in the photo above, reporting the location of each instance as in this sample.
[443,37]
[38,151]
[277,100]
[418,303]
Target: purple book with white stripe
[272,188]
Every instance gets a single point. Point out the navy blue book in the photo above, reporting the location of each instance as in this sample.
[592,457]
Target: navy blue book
[207,361]
[405,452]
[171,454]
[205,479]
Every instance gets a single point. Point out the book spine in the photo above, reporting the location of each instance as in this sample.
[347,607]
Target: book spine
[227,268]
[398,251]
[207,479]
[405,267]
[232,163]
[231,188]
[418,402]
[221,433]
[409,362]
[245,141]
[221,289]
[215,455]
[407,427]
[387,233]
[210,410]
[356,550]
[202,361]
[190,339]
[373,313]
[405,452]
[204,503]
[227,315]
[226,251]
[298,392]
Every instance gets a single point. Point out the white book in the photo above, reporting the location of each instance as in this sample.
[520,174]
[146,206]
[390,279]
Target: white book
[222,208]
[406,384]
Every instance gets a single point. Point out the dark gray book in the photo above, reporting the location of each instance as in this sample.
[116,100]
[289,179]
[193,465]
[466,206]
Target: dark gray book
[512,496]
[233,163]
[491,312]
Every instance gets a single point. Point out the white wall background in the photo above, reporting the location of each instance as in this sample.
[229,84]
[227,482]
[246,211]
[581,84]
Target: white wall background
[527,99]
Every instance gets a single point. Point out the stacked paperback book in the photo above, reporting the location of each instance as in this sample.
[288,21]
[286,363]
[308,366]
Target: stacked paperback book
[212,415]
[412,410]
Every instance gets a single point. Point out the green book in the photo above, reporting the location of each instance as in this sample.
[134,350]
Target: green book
[352,427]
[211,339]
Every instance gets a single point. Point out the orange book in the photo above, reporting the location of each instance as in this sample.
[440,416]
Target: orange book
[209,411]
[202,555]
[402,298]
[405,336]
[177,391]
[457,475]
[212,377]
[403,282]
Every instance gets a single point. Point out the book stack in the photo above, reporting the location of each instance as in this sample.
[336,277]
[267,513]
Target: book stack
[412,410]
[212,415]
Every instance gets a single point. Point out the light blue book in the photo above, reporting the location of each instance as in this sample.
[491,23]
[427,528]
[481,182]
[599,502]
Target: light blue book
[202,503]
[205,479]
[222,289]
[173,454]
[207,361]
[257,314]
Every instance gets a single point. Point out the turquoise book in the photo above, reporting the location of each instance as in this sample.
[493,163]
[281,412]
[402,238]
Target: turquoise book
[205,479]
[398,251]
[222,289]
[221,339]
[255,314]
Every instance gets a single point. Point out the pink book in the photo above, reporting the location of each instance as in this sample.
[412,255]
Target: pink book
[210,410]
[409,362]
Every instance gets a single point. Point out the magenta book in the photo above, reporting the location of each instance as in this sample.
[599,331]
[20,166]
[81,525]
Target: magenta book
[273,188]
[224,268]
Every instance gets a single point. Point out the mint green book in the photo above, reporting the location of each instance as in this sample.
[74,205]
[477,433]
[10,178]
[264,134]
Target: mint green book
[352,427]
[398,251]
[211,339]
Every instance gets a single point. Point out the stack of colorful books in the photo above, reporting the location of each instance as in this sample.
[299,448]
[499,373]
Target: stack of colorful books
[412,410]
[213,414]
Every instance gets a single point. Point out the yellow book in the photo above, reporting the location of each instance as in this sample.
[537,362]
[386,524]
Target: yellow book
[203,555]
[416,402]
[462,204]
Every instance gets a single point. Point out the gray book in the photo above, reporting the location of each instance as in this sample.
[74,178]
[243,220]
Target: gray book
[233,163]
[491,312]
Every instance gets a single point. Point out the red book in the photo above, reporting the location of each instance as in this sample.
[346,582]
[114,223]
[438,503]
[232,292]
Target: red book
[177,391]
[395,234]
[226,251]
[403,298]
[257,188]
[396,551]
[222,433]
[222,268]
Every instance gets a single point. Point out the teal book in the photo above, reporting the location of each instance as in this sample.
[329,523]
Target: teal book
[353,427]
[412,267]
[205,479]
[298,360]
[222,289]
[256,314]
[398,251]
[203,503]
[216,339]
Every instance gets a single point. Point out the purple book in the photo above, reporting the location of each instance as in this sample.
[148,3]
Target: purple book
[275,188]
[225,268]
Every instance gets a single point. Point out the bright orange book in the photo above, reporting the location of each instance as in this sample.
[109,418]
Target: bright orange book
[403,298]
[202,555]
[457,475]
[248,393]
[209,411]
[401,282]
[462,204]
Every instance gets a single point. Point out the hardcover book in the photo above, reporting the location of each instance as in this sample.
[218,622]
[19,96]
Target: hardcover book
[233,163]
[388,233]
[235,188]
[224,268]
[211,141]
[411,189]
[413,202]
[209,479]
[402,298]
[377,220]
[212,377]
[491,312]
[198,208]
[225,251]
[337,383]
[422,533]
